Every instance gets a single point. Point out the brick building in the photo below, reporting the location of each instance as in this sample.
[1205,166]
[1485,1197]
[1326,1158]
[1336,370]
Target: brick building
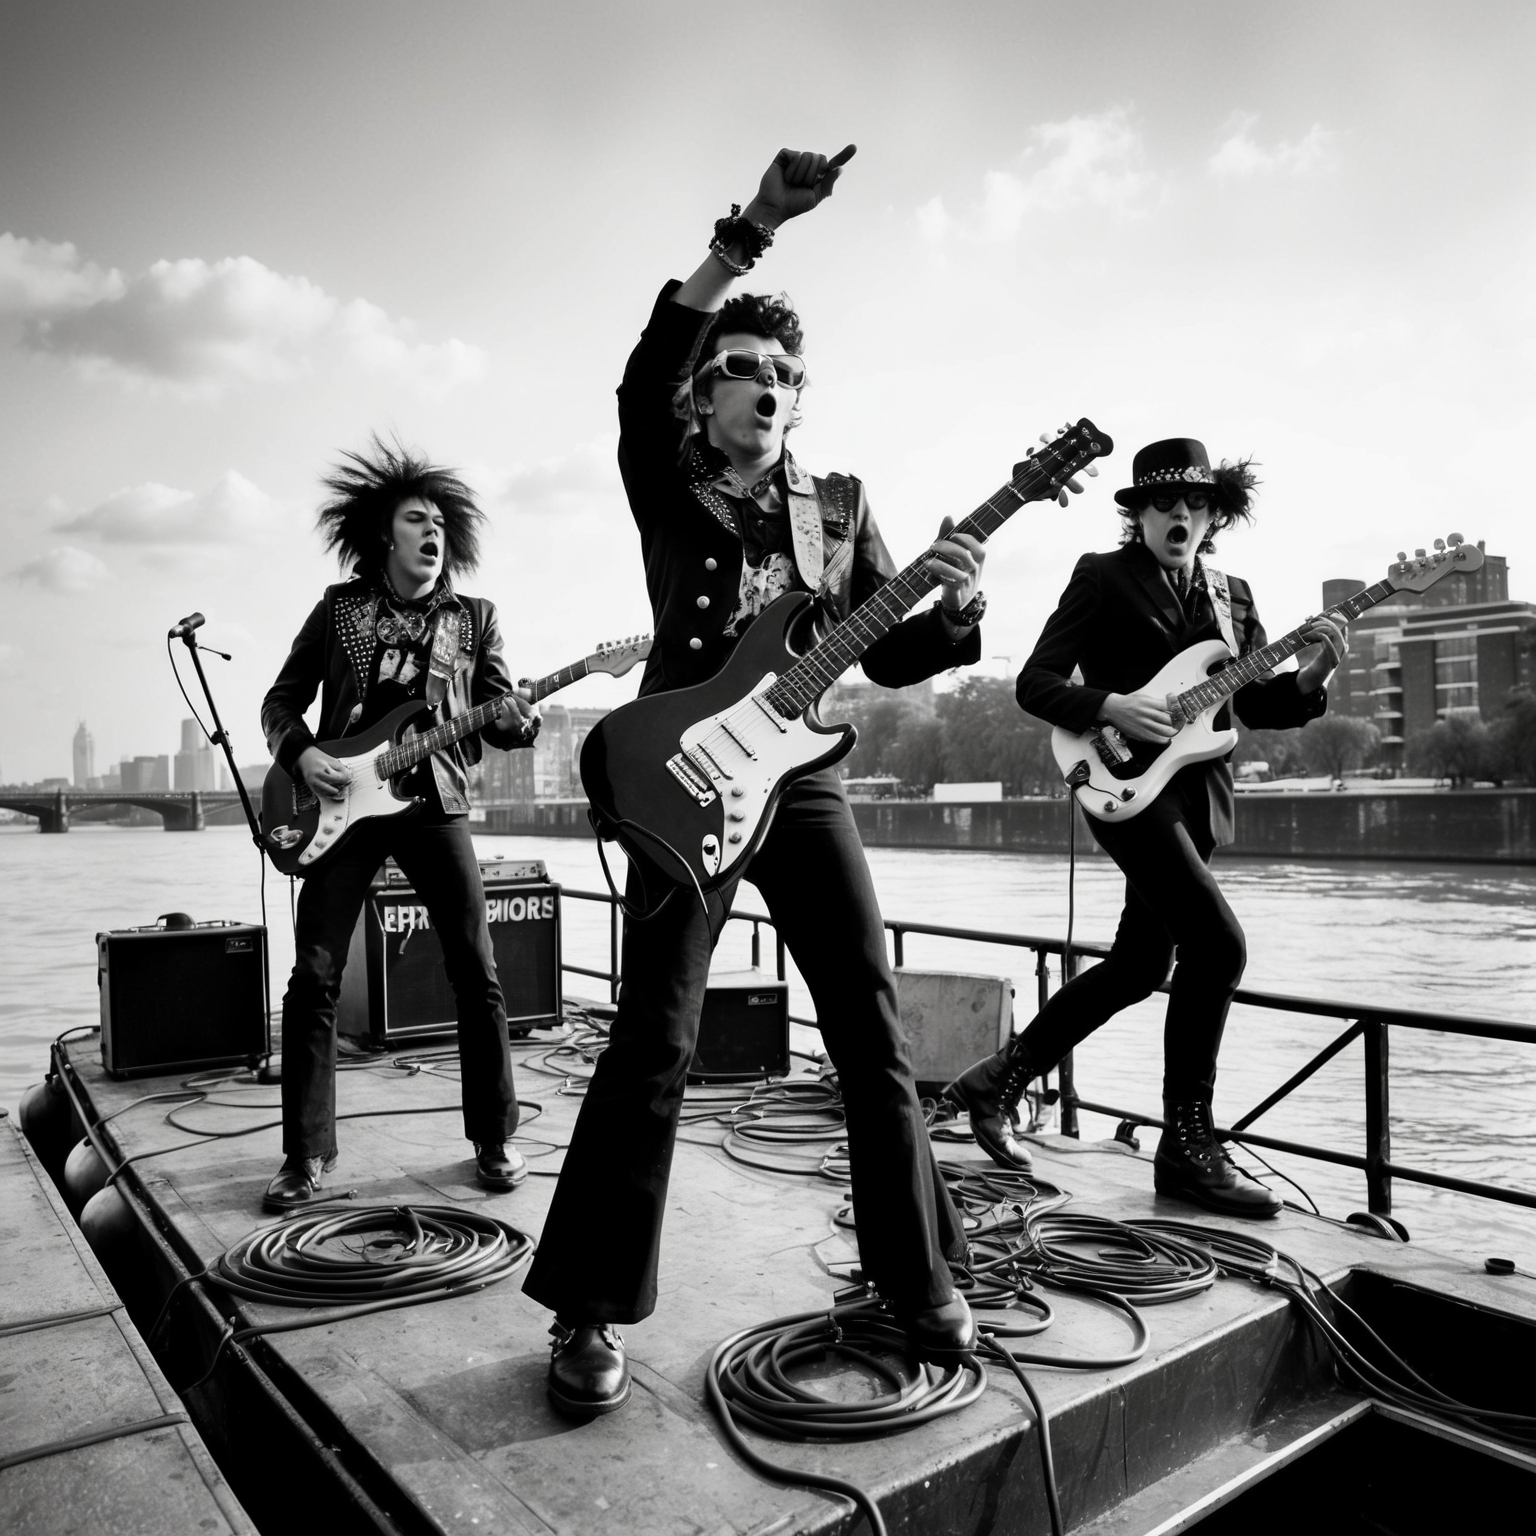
[1420,655]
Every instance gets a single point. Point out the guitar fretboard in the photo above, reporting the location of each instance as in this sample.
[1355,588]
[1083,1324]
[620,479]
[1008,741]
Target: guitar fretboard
[821,666]
[415,748]
[1250,668]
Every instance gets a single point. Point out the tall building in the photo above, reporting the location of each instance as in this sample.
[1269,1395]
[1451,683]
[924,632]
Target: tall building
[506,777]
[196,767]
[85,757]
[1419,656]
[141,773]
[557,753]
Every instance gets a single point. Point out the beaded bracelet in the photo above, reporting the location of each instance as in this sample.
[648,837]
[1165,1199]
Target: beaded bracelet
[733,230]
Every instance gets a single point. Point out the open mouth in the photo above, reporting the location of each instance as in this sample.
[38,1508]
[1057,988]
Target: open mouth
[429,551]
[1178,535]
[767,405]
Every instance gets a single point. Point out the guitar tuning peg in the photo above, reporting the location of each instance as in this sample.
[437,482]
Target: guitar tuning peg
[1044,438]
[1439,543]
[1402,557]
[1418,554]
[1455,540]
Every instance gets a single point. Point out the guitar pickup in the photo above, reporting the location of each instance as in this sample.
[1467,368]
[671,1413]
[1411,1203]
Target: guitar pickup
[303,796]
[683,770]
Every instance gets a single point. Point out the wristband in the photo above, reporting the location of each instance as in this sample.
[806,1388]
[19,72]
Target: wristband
[967,617]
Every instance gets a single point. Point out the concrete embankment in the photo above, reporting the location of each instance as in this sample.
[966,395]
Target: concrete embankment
[1483,826]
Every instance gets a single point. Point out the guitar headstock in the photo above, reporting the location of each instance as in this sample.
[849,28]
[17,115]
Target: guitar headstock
[616,657]
[1042,473]
[1425,568]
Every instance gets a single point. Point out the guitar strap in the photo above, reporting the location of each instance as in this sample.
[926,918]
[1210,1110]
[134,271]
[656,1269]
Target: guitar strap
[1221,601]
[445,650]
[805,524]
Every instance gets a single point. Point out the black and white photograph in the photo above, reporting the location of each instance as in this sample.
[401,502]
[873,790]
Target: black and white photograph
[845,695]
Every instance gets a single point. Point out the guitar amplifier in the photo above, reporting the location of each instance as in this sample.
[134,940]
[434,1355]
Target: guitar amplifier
[743,1029]
[395,988]
[182,998]
[951,1021]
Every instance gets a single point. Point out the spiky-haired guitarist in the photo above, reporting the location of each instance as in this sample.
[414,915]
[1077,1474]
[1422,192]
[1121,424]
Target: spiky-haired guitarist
[397,631]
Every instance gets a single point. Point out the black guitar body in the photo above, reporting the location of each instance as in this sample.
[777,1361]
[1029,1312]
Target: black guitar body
[686,782]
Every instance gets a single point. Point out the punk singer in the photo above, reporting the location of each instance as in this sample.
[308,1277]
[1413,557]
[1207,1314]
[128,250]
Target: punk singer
[1123,617]
[396,631]
[728,522]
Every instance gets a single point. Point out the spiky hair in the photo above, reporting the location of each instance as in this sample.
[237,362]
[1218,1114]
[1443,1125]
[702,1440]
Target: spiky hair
[1232,498]
[366,489]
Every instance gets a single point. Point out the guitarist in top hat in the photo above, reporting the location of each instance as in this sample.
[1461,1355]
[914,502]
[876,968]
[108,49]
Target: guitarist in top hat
[1122,617]
[396,631]
[728,522]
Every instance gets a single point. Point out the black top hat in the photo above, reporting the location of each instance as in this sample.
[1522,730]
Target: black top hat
[1174,462]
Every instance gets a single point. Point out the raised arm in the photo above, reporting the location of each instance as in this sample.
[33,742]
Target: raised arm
[796,182]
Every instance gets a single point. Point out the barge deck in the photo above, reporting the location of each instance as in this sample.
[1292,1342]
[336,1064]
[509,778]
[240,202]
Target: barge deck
[92,1437]
[434,1419]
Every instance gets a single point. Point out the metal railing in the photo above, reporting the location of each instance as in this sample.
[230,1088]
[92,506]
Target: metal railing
[1368,1023]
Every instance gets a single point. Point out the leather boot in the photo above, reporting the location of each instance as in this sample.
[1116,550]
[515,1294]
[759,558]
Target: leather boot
[588,1373]
[1192,1165]
[499,1167]
[989,1093]
[943,1333]
[297,1182]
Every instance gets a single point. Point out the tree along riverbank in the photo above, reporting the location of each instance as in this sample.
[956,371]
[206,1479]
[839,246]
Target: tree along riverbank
[1474,826]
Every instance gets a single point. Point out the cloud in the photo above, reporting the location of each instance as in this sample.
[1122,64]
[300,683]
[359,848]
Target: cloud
[1240,156]
[582,481]
[199,327]
[233,511]
[1082,162]
[62,570]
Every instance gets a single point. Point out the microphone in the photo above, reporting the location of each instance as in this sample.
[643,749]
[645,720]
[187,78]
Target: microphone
[181,630]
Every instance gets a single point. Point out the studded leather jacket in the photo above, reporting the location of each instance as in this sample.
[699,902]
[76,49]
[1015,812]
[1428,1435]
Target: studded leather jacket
[333,655]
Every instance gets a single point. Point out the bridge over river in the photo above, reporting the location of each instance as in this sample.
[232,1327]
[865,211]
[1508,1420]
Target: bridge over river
[182,810]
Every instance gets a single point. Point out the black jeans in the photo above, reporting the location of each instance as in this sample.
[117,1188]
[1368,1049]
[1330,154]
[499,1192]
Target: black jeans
[598,1255]
[438,858]
[1171,901]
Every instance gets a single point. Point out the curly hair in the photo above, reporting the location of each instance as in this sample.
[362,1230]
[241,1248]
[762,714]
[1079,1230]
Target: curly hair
[755,314]
[367,488]
[1231,500]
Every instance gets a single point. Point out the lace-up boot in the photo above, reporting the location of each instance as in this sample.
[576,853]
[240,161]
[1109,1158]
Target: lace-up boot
[989,1093]
[1192,1165]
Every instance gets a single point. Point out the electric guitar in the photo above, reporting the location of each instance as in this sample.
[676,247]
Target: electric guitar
[686,782]
[1115,778]
[299,829]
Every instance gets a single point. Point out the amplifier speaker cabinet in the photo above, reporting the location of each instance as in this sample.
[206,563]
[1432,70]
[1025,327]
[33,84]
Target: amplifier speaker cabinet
[743,1030]
[952,1020]
[395,988]
[181,999]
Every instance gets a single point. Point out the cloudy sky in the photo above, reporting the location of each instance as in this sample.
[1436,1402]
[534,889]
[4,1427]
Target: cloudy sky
[234,240]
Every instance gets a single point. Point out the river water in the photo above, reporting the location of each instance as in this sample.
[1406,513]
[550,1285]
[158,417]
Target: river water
[1456,939]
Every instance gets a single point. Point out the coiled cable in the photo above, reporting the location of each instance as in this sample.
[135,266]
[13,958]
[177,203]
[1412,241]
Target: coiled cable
[360,1260]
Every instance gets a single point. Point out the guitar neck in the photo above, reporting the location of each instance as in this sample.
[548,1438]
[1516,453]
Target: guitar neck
[821,666]
[415,748]
[1247,669]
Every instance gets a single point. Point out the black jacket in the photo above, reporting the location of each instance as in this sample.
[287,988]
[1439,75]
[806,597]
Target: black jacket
[332,655]
[693,555]
[1120,622]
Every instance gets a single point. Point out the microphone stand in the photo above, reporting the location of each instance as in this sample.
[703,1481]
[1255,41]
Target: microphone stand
[220,738]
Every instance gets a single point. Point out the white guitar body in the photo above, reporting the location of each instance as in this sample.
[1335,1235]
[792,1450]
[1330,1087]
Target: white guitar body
[366,795]
[1125,777]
